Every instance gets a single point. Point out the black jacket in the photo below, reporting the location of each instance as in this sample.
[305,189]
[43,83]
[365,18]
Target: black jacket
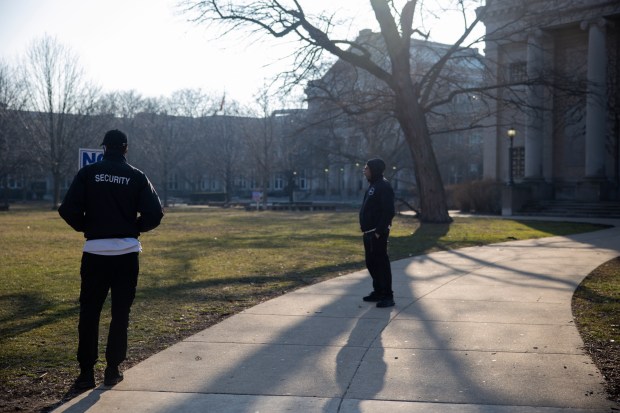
[378,207]
[111,199]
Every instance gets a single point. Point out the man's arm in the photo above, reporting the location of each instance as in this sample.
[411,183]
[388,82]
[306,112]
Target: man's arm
[74,204]
[386,200]
[150,209]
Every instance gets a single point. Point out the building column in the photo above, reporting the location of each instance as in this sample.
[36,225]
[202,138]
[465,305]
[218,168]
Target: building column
[492,156]
[535,110]
[596,99]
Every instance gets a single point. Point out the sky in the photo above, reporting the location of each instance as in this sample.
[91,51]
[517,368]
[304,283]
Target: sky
[150,47]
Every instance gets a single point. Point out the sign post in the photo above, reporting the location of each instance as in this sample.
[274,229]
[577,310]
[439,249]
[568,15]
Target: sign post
[88,156]
[257,197]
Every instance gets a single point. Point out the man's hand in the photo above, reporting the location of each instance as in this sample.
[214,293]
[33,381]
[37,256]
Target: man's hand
[377,235]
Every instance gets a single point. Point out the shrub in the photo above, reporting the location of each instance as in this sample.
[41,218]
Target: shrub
[481,197]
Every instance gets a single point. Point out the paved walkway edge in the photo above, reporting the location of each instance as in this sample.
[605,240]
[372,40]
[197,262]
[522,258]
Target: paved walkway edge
[483,329]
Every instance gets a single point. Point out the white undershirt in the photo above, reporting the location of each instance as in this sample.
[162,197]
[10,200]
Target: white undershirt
[112,246]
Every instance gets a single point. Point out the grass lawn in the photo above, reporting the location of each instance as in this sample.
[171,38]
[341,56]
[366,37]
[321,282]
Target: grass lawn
[198,267]
[596,308]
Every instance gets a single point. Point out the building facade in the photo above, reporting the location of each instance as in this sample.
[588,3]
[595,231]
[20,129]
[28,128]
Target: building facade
[556,63]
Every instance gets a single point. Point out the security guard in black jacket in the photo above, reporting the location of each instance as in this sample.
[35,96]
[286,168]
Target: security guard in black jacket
[111,202]
[375,221]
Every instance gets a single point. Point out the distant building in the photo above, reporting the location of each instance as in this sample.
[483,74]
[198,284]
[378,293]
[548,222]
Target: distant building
[559,62]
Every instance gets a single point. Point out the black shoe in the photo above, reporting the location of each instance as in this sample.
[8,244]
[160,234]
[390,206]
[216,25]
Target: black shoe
[112,376]
[86,380]
[372,297]
[386,302]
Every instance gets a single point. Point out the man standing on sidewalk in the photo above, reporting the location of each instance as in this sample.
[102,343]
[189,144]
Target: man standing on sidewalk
[375,221]
[111,202]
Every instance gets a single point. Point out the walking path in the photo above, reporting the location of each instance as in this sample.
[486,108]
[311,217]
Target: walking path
[476,330]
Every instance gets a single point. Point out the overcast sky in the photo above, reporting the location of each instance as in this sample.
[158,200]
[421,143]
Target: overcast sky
[146,45]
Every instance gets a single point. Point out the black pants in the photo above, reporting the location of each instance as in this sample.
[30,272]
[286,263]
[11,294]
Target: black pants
[378,264]
[100,274]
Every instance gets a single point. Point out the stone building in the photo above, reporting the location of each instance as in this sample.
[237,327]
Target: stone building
[557,62]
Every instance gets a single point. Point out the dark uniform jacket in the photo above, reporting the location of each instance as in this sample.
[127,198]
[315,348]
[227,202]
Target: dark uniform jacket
[378,207]
[111,199]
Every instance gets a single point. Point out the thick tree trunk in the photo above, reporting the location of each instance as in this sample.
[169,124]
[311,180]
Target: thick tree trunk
[433,203]
[410,113]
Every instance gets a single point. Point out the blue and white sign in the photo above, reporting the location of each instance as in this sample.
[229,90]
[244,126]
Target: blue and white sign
[88,156]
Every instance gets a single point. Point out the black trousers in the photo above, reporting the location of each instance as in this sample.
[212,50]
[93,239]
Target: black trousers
[378,264]
[100,274]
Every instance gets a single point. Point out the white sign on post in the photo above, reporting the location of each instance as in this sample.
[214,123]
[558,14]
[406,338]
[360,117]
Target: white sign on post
[88,156]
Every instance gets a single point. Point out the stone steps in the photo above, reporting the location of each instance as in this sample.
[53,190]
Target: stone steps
[606,209]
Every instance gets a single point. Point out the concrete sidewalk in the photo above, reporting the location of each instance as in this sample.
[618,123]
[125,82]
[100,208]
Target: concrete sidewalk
[483,329]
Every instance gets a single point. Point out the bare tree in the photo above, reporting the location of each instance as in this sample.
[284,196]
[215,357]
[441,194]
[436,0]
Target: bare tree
[193,103]
[193,108]
[122,104]
[224,134]
[261,143]
[124,109]
[60,102]
[361,106]
[12,156]
[356,117]
[409,97]
[162,141]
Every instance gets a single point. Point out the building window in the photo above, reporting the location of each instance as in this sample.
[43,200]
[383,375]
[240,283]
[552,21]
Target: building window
[518,72]
[278,182]
[475,141]
[173,182]
[302,182]
[15,183]
[208,184]
[241,183]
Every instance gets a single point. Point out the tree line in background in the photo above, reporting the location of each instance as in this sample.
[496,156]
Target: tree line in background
[188,142]
[48,110]
[386,94]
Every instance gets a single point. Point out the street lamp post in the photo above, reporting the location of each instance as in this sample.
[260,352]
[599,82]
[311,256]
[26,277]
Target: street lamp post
[326,182]
[511,135]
